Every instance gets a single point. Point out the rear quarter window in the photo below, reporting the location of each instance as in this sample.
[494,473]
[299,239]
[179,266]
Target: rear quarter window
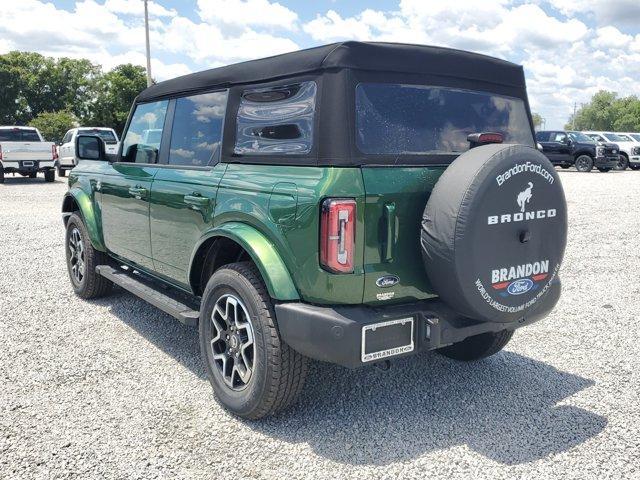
[276,121]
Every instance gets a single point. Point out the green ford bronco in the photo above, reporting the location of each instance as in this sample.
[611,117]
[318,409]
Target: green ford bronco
[349,203]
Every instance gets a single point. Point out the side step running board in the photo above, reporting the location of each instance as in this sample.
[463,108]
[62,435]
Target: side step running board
[146,291]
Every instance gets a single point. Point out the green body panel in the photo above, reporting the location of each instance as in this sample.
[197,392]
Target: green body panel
[266,197]
[273,212]
[395,201]
[125,215]
[82,182]
[264,254]
[176,226]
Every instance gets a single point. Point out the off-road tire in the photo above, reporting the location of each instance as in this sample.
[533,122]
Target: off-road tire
[92,285]
[62,172]
[584,163]
[1,175]
[33,175]
[634,167]
[278,371]
[604,170]
[50,175]
[478,346]
[564,167]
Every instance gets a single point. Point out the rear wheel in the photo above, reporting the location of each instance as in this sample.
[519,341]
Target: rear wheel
[62,172]
[1,175]
[82,260]
[252,371]
[49,175]
[604,170]
[584,163]
[564,167]
[634,167]
[623,162]
[478,346]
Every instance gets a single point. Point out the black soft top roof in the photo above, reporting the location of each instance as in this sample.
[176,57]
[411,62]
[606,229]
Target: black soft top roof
[375,56]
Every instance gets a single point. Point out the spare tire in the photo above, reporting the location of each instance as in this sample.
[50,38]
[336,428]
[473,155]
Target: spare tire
[494,232]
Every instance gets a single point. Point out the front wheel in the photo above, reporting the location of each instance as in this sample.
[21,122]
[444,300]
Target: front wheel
[623,162]
[478,346]
[252,371]
[82,260]
[584,163]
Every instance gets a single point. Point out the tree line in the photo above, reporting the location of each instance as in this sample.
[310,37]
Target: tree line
[607,112]
[56,94]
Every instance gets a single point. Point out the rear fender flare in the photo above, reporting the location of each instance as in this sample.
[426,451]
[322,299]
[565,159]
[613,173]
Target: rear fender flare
[274,272]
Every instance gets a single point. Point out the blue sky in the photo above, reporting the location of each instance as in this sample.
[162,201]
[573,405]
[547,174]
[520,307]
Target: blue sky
[570,49]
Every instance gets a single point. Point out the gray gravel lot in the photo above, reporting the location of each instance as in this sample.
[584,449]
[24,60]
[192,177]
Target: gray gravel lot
[114,388]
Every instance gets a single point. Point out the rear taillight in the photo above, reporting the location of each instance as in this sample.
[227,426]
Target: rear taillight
[337,234]
[54,152]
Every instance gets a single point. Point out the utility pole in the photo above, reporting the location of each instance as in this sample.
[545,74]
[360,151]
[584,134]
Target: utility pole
[146,31]
[573,122]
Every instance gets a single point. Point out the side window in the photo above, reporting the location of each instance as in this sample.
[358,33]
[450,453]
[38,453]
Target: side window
[559,137]
[276,121]
[67,137]
[142,141]
[197,129]
[542,136]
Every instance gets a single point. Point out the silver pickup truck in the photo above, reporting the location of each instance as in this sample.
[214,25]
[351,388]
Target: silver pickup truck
[24,151]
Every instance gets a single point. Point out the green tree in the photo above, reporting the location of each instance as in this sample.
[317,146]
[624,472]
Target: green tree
[537,120]
[598,114]
[33,84]
[53,125]
[114,95]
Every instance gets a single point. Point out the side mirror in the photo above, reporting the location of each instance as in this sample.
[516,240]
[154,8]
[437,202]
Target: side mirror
[90,147]
[539,146]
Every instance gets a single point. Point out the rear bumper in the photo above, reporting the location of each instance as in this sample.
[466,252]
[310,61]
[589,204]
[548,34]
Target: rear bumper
[334,334]
[27,166]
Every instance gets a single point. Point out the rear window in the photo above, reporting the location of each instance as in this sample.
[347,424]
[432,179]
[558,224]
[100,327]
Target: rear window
[276,121]
[106,135]
[19,135]
[416,119]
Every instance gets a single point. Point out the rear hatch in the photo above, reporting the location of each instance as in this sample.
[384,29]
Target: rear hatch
[424,127]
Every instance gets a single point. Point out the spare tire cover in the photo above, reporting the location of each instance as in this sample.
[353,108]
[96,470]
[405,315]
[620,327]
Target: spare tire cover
[494,232]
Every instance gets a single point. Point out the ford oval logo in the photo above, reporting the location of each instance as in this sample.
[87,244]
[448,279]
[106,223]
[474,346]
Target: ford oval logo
[387,281]
[518,287]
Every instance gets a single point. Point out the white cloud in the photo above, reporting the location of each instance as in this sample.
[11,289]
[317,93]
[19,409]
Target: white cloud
[261,13]
[611,37]
[626,12]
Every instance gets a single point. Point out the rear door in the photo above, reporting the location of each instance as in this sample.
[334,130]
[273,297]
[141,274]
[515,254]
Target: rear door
[397,128]
[126,188]
[184,190]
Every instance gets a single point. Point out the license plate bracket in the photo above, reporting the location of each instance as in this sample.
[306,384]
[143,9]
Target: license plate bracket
[387,339]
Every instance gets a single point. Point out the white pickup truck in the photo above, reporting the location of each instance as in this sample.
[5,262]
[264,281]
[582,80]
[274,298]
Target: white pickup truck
[24,151]
[67,148]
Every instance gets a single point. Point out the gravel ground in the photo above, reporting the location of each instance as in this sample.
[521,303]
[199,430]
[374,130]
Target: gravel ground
[114,388]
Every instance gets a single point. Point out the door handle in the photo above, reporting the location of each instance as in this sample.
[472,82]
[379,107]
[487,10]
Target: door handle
[390,231]
[197,201]
[138,192]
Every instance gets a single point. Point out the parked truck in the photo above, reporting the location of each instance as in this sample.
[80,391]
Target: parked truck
[23,150]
